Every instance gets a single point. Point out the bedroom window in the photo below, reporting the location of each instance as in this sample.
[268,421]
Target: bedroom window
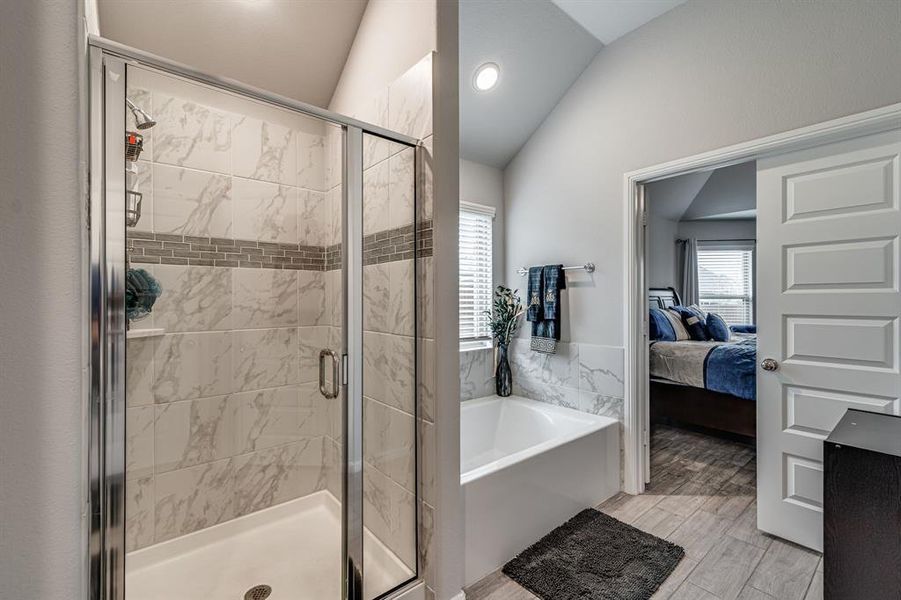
[476,277]
[726,280]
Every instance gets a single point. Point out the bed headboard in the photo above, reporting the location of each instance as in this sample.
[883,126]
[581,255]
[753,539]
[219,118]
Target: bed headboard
[663,298]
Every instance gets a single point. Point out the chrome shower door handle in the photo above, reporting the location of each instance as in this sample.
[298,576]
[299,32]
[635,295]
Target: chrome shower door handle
[336,373]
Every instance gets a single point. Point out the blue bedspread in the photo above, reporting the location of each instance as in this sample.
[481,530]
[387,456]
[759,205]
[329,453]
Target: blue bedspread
[732,368]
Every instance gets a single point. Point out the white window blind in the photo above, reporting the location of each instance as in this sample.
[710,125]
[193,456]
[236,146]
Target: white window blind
[476,279]
[726,280]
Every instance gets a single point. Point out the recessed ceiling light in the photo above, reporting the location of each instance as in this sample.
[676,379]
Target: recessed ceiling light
[486,77]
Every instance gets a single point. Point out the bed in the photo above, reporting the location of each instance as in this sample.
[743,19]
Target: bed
[711,385]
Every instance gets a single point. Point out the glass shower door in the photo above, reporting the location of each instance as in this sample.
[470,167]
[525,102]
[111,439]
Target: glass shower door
[233,278]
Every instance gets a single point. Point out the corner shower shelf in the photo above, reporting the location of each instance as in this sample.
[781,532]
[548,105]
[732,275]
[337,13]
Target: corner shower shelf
[144,333]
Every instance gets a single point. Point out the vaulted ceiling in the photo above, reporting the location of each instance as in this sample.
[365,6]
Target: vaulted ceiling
[296,48]
[541,47]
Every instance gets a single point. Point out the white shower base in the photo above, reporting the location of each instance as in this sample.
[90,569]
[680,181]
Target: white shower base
[294,547]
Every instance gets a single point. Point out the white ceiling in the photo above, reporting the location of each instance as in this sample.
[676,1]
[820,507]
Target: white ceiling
[728,193]
[541,47]
[610,19]
[296,48]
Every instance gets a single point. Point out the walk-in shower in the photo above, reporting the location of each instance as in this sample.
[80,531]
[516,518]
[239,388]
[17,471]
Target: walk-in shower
[254,428]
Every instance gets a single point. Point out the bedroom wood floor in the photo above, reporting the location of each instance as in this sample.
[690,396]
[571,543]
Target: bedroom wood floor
[701,497]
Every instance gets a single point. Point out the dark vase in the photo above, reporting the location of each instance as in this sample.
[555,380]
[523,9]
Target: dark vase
[503,376]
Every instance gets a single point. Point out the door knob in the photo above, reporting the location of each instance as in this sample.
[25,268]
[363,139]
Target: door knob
[769,364]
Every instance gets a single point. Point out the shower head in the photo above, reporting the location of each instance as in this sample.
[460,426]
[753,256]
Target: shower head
[142,119]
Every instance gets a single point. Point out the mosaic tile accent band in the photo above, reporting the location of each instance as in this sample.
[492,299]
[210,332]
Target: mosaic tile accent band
[173,249]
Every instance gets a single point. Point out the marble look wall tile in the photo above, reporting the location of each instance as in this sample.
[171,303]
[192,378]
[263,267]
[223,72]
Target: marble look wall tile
[389,438]
[427,201]
[401,303]
[375,198]
[138,513]
[388,363]
[334,203]
[311,159]
[264,211]
[428,459]
[596,404]
[142,181]
[425,290]
[601,369]
[275,475]
[376,297]
[312,298]
[476,373]
[544,392]
[191,202]
[410,101]
[143,99]
[263,150]
[427,544]
[426,366]
[390,514]
[313,219]
[332,459]
[192,365]
[334,290]
[310,341]
[268,418]
[138,442]
[139,371]
[192,432]
[334,156]
[193,498]
[375,111]
[264,298]
[193,298]
[560,369]
[191,135]
[264,358]
[313,411]
[400,188]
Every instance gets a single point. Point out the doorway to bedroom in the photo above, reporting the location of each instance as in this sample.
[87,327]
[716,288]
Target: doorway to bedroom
[700,261]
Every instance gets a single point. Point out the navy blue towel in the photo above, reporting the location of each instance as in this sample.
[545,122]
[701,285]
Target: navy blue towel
[535,311]
[546,328]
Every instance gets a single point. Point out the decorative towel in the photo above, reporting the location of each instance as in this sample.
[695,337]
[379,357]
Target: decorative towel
[546,329]
[535,292]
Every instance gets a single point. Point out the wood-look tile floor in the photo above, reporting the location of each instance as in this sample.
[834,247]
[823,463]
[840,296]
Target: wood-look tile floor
[702,497]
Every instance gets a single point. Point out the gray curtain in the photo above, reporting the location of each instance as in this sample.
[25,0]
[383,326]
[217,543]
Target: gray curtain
[688,270]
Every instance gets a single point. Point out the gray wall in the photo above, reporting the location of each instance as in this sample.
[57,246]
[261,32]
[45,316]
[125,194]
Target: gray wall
[703,76]
[660,261]
[41,501]
[718,230]
[483,184]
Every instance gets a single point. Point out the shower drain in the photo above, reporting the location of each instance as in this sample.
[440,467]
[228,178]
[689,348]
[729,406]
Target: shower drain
[258,592]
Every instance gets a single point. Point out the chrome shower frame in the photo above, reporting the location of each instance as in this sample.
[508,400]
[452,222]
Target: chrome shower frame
[107,64]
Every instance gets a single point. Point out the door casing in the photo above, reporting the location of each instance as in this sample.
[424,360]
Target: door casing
[635,303]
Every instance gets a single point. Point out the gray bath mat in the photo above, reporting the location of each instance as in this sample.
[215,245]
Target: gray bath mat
[595,557]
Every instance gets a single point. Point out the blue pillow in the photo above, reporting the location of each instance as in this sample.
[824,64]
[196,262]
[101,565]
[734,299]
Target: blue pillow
[659,327]
[746,328]
[694,323]
[717,328]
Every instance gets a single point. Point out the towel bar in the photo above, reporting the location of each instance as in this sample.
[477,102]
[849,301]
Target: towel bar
[588,267]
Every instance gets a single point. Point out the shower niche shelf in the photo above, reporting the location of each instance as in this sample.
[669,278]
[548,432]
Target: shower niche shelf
[132,334]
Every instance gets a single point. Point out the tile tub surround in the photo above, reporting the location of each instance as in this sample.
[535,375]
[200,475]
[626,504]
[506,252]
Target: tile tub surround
[585,377]
[476,373]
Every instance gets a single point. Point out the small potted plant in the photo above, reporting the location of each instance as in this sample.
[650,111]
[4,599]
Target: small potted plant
[504,320]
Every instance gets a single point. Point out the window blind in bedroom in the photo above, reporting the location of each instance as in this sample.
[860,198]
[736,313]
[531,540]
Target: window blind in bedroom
[476,277]
[726,280]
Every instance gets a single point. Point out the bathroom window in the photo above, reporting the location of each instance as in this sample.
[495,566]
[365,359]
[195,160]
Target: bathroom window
[476,277]
[726,280]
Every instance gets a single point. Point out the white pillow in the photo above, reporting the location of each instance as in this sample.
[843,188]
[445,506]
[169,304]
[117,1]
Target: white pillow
[676,320]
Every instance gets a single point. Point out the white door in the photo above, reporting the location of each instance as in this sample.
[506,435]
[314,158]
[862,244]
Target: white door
[828,225]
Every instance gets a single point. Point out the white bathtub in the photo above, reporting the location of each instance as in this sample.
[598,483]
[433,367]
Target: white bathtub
[527,467]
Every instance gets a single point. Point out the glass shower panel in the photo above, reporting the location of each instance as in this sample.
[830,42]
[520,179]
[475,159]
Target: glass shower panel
[233,419]
[389,366]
